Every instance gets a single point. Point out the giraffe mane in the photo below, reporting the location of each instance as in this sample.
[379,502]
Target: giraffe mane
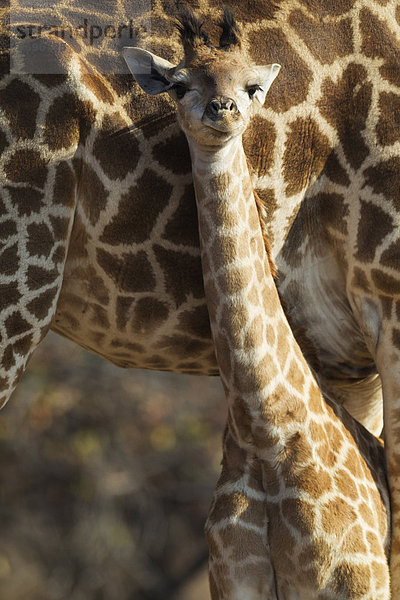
[306,345]
[267,246]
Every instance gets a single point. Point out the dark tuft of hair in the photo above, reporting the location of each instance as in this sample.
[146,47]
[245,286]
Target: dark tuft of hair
[190,28]
[230,35]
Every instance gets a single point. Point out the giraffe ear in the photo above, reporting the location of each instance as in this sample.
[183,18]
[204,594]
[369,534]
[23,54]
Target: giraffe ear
[149,70]
[266,76]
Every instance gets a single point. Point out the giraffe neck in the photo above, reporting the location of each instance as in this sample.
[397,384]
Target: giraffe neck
[261,366]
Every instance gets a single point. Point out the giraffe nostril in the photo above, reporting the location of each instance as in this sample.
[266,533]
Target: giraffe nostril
[214,106]
[219,105]
[230,105]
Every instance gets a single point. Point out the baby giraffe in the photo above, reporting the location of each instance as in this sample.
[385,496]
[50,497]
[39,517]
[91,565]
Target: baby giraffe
[301,509]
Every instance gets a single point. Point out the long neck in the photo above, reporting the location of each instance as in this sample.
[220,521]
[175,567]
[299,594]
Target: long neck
[263,371]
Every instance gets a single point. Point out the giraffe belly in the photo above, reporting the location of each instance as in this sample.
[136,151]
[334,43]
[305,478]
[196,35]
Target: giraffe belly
[142,330]
[315,294]
[139,305]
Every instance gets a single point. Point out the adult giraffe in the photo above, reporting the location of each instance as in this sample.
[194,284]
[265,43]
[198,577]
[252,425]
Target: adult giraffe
[111,218]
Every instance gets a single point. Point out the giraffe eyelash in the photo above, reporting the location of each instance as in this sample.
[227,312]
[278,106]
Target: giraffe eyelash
[252,89]
[180,90]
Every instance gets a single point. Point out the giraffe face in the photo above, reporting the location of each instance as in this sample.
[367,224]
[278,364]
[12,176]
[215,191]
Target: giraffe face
[217,96]
[216,88]
[216,92]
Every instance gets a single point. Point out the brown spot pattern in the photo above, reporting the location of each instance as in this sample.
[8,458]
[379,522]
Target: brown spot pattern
[258,141]
[15,325]
[396,338]
[149,314]
[305,154]
[373,226]
[250,12]
[68,121]
[64,184]
[138,211]
[329,8]
[183,346]
[93,195]
[383,44]
[329,39]
[388,126]
[38,277]
[299,514]
[51,80]
[3,142]
[8,359]
[387,305]
[291,87]
[96,85]
[27,200]
[360,280]
[20,104]
[335,171]
[351,581]
[131,273]
[27,166]
[196,322]
[391,256]
[385,283]
[60,227]
[22,345]
[384,178]
[182,228]
[41,305]
[7,229]
[40,240]
[182,272]
[313,481]
[337,511]
[123,148]
[173,153]
[332,209]
[345,106]
[9,260]
[9,295]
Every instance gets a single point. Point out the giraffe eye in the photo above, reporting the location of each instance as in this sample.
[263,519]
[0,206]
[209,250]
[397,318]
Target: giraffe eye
[180,90]
[252,89]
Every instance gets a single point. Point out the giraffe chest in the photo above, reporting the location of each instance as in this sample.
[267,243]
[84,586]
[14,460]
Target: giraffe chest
[316,294]
[341,320]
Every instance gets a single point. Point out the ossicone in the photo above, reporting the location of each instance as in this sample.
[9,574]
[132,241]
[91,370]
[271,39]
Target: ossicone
[190,27]
[230,36]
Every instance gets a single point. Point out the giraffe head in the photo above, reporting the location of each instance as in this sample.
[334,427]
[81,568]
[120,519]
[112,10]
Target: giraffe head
[216,88]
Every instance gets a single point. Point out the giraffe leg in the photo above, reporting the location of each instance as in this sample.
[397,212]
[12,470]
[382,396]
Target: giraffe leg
[236,529]
[38,208]
[44,125]
[388,360]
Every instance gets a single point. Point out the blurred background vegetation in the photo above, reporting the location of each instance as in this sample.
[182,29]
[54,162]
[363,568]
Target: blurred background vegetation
[106,477]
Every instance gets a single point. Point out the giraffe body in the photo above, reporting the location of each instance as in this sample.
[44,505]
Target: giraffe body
[301,509]
[84,252]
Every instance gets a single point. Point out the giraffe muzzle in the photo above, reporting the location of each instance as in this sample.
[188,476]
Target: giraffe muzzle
[221,107]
